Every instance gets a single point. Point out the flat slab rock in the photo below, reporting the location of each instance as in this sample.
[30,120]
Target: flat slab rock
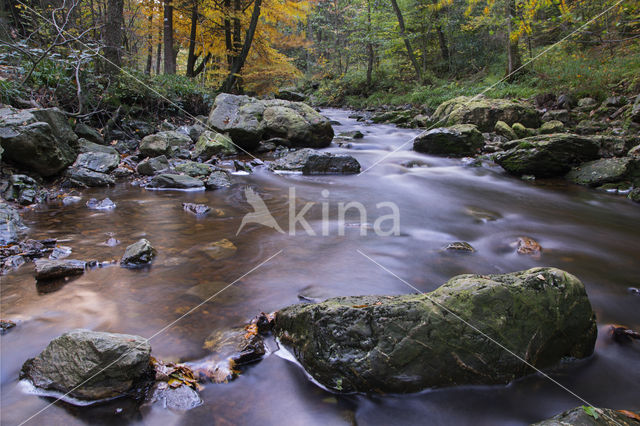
[111,364]
[173,181]
[48,269]
[412,342]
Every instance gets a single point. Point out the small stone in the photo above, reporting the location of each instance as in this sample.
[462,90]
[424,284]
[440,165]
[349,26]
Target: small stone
[139,253]
[60,252]
[219,250]
[197,209]
[105,204]
[51,269]
[5,325]
[460,246]
[527,245]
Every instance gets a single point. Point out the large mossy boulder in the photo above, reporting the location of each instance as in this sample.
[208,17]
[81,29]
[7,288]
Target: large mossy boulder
[247,121]
[412,342]
[90,365]
[591,416]
[459,140]
[484,112]
[164,143]
[40,140]
[606,170]
[547,155]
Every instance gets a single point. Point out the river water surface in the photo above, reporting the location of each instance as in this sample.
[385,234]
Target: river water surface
[593,235]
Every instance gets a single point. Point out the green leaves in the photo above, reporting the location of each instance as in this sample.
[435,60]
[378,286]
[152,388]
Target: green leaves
[591,411]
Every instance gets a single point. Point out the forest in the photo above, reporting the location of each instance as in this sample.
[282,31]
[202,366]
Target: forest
[320,212]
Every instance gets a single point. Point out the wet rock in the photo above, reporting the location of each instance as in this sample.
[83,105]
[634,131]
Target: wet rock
[586,416]
[293,161]
[484,112]
[408,343]
[127,146]
[47,269]
[111,364]
[503,129]
[459,246]
[139,253]
[6,325]
[211,144]
[634,195]
[23,190]
[547,155]
[164,143]
[219,250]
[172,181]
[458,140]
[529,246]
[60,252]
[37,139]
[553,126]
[193,169]
[197,209]
[153,166]
[80,176]
[85,132]
[605,170]
[218,179]
[329,164]
[105,204]
[182,398]
[11,225]
[247,121]
[122,172]
[240,345]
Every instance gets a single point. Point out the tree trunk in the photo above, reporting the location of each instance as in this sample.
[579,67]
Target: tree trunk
[159,51]
[239,61]
[514,62]
[407,43]
[369,47]
[113,36]
[191,58]
[147,70]
[227,33]
[169,58]
[200,67]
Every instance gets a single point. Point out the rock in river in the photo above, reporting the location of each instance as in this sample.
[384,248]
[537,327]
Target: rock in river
[547,155]
[592,416]
[411,342]
[173,181]
[248,121]
[111,364]
[606,170]
[139,253]
[47,269]
[10,224]
[153,166]
[459,140]
[312,162]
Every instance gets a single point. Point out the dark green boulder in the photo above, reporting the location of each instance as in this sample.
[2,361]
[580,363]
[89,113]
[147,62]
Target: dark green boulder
[459,140]
[412,342]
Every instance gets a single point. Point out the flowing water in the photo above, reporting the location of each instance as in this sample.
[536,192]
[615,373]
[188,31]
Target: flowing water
[593,235]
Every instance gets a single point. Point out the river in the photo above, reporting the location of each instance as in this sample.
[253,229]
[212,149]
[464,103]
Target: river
[593,235]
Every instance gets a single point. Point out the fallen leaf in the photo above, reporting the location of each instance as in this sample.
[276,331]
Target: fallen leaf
[630,414]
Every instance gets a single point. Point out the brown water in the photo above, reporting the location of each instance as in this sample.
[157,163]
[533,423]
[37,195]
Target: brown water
[590,234]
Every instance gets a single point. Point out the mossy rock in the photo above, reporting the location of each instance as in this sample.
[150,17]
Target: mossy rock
[411,342]
[458,141]
[553,126]
[605,170]
[547,155]
[503,129]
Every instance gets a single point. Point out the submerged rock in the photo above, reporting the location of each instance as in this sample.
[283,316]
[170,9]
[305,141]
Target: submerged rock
[139,253]
[38,139]
[547,155]
[461,246]
[412,342]
[459,140]
[591,416]
[484,112]
[527,245]
[173,181]
[606,170]
[182,398]
[248,121]
[111,364]
[48,269]
[197,209]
